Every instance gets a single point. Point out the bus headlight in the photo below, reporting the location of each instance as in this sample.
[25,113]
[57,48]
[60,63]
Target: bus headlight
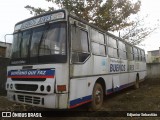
[42,87]
[11,86]
[7,85]
[48,88]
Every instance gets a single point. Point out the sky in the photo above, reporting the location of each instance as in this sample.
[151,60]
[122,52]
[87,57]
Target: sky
[13,11]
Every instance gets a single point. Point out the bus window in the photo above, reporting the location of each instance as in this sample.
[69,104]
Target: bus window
[80,49]
[25,43]
[130,52]
[97,43]
[131,56]
[97,37]
[16,45]
[143,56]
[112,47]
[122,50]
[98,49]
[112,42]
[54,42]
[135,53]
[139,55]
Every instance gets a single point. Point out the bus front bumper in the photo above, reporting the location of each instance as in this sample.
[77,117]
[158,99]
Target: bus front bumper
[46,101]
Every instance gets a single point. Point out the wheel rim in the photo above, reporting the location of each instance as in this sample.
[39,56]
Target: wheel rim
[98,96]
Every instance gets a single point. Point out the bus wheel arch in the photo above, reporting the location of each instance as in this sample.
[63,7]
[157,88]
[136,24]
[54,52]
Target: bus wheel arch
[98,93]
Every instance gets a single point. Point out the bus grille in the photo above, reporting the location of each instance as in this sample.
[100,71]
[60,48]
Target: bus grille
[29,99]
[27,87]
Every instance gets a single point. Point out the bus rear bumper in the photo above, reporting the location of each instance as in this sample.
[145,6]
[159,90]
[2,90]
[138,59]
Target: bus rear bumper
[46,101]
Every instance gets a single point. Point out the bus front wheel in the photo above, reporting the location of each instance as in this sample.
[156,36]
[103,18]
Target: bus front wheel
[97,97]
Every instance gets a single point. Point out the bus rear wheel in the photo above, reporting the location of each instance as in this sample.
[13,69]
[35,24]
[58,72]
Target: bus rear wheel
[97,97]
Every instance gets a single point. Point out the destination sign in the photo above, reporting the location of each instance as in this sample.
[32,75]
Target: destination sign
[31,73]
[39,20]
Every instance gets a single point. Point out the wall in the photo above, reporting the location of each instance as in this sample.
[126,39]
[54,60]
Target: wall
[3,73]
[153,56]
[8,47]
[153,70]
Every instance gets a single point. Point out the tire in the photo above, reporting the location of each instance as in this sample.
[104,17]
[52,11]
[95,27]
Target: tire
[97,97]
[136,86]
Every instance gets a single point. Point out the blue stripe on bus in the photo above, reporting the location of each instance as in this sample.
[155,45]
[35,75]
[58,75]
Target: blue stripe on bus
[80,101]
[109,91]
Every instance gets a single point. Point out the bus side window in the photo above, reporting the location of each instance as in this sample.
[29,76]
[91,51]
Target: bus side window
[143,56]
[135,54]
[122,50]
[79,41]
[139,55]
[112,47]
[98,43]
[130,53]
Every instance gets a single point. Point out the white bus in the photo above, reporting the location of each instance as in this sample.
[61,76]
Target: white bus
[60,61]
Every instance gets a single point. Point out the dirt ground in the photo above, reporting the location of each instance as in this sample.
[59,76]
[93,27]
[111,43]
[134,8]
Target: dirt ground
[146,98]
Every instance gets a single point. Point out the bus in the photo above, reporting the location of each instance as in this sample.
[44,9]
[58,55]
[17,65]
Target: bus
[60,61]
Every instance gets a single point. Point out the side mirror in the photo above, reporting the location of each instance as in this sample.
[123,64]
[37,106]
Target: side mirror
[7,38]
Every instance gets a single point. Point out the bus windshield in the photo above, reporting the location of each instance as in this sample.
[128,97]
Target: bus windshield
[47,40]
